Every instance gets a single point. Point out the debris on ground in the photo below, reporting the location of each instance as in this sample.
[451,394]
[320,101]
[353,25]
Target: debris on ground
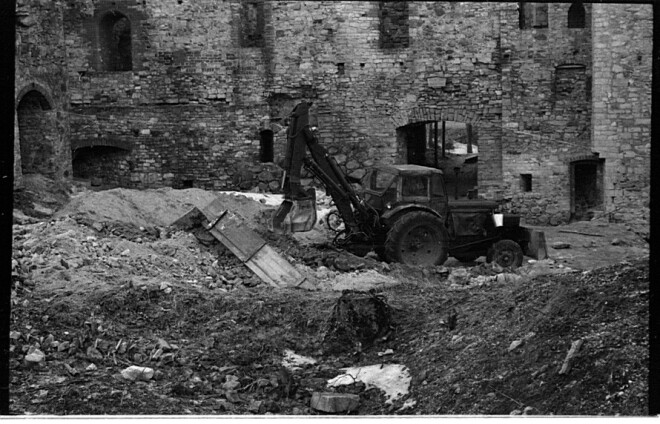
[102,285]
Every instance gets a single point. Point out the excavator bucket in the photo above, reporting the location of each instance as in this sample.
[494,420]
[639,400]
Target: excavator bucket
[295,215]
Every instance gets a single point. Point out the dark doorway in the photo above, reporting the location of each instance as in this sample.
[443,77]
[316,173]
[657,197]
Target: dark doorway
[586,189]
[415,141]
[37,133]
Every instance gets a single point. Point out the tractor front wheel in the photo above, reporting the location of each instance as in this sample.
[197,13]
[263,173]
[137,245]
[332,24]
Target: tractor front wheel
[417,238]
[505,253]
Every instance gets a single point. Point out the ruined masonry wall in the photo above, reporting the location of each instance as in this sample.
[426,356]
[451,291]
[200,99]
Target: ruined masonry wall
[622,105]
[40,67]
[195,91]
[544,127]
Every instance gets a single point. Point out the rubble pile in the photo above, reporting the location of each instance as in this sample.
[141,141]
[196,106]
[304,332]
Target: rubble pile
[115,312]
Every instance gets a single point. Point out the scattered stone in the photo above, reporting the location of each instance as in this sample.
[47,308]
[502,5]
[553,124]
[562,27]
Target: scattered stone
[93,353]
[35,357]
[459,276]
[508,278]
[231,383]
[334,402]
[63,346]
[91,367]
[255,406]
[136,373]
[71,370]
[386,352]
[617,242]
[530,410]
[515,344]
[48,341]
[572,352]
[560,245]
[162,344]
[516,412]
[98,226]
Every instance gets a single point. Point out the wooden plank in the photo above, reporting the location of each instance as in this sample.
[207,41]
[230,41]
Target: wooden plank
[233,233]
[272,268]
[231,230]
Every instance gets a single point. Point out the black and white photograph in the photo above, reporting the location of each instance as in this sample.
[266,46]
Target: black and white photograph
[328,209]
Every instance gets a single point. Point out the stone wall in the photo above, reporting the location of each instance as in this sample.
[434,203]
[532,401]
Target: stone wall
[196,92]
[180,93]
[622,105]
[41,124]
[546,79]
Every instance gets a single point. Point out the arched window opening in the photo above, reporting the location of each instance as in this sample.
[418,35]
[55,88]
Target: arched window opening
[266,146]
[115,36]
[37,133]
[576,16]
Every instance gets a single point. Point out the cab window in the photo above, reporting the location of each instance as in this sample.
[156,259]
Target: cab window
[380,180]
[414,186]
[437,187]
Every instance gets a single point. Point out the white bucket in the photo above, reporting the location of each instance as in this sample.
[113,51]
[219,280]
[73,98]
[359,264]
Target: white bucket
[499,219]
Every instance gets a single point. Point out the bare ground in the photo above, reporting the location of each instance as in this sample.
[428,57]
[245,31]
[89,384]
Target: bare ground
[101,283]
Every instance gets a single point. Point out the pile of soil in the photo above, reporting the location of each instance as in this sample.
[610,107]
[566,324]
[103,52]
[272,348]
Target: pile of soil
[101,283]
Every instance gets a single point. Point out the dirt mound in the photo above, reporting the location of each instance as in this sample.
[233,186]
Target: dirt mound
[158,207]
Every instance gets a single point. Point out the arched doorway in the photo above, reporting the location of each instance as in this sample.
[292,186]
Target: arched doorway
[37,132]
[451,146]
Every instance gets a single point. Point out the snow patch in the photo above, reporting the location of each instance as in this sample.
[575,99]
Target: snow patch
[393,379]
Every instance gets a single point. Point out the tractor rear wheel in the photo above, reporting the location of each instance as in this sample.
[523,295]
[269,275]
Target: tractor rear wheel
[506,253]
[417,238]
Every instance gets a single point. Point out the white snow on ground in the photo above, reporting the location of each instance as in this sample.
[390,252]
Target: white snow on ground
[393,379]
[265,198]
[293,361]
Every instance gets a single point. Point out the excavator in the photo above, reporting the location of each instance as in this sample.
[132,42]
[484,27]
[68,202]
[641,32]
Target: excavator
[401,212]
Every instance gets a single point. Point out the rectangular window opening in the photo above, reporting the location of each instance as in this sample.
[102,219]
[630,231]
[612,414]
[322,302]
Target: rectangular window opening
[525,183]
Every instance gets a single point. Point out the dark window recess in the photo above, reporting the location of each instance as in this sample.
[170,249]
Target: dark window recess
[187,184]
[576,16]
[393,24]
[252,24]
[532,15]
[340,68]
[266,146]
[115,40]
[526,183]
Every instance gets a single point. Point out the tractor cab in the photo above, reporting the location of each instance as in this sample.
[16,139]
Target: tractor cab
[388,188]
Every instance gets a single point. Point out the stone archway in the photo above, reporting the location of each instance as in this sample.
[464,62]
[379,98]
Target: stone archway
[36,123]
[445,139]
